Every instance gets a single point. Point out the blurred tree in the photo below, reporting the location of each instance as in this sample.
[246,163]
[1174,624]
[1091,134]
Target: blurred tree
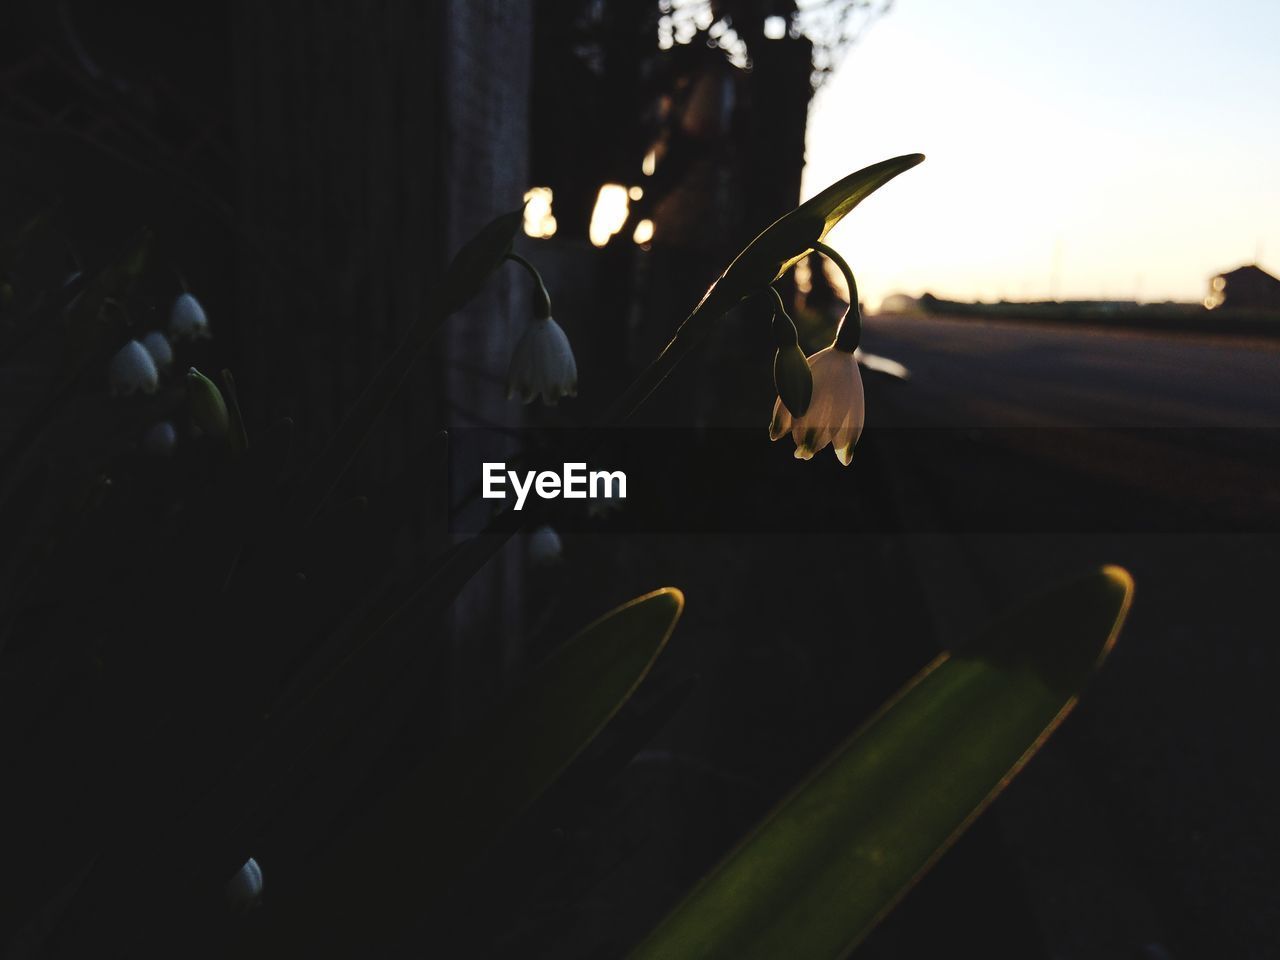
[700,108]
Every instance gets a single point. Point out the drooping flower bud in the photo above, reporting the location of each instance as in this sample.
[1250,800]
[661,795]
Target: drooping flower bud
[158,346]
[793,379]
[545,547]
[836,413]
[187,320]
[791,374]
[543,363]
[160,439]
[131,370]
[244,890]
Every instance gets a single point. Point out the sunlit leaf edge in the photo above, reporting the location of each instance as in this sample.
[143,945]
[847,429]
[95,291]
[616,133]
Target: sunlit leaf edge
[791,237]
[677,935]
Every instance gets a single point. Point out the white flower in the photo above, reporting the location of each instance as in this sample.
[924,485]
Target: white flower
[542,363]
[157,345]
[160,440]
[244,890]
[187,320]
[836,412]
[132,369]
[545,547]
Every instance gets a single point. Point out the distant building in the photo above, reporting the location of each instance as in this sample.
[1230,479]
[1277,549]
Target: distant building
[1249,286]
[898,303]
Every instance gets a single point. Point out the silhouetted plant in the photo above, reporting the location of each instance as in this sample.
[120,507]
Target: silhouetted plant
[286,655]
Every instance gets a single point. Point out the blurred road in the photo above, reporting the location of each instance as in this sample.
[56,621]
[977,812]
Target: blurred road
[1182,419]
[989,373]
[1152,818]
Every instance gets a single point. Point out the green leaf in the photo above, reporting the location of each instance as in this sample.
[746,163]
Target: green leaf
[239,436]
[479,257]
[505,765]
[208,406]
[791,237]
[414,845]
[766,258]
[825,866]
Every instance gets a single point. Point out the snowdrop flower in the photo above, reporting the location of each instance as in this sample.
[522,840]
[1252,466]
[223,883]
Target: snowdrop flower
[132,369]
[187,320]
[542,363]
[157,345]
[545,547]
[160,440]
[836,412]
[244,890]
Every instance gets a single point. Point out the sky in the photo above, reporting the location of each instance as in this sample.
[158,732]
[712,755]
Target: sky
[1090,149]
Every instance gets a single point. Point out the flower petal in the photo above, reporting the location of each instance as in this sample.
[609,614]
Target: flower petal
[844,453]
[187,319]
[542,363]
[780,423]
[132,369]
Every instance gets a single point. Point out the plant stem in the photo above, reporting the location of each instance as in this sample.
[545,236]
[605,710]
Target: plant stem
[687,336]
[784,328]
[850,333]
[541,299]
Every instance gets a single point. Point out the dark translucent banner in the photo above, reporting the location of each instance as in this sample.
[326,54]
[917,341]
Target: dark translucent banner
[910,480]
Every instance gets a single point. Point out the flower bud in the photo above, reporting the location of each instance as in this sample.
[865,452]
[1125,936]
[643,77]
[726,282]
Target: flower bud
[545,547]
[157,344]
[836,413]
[160,440]
[542,363]
[208,408]
[131,370]
[794,380]
[244,890]
[187,320]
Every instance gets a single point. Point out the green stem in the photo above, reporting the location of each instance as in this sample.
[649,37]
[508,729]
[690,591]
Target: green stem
[687,336]
[784,328]
[850,333]
[239,435]
[541,299]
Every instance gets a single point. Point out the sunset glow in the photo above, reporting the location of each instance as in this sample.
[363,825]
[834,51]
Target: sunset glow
[1092,150]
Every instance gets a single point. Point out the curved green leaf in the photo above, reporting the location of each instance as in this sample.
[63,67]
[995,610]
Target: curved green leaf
[506,764]
[820,871]
[479,257]
[766,258]
[791,237]
[415,844]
